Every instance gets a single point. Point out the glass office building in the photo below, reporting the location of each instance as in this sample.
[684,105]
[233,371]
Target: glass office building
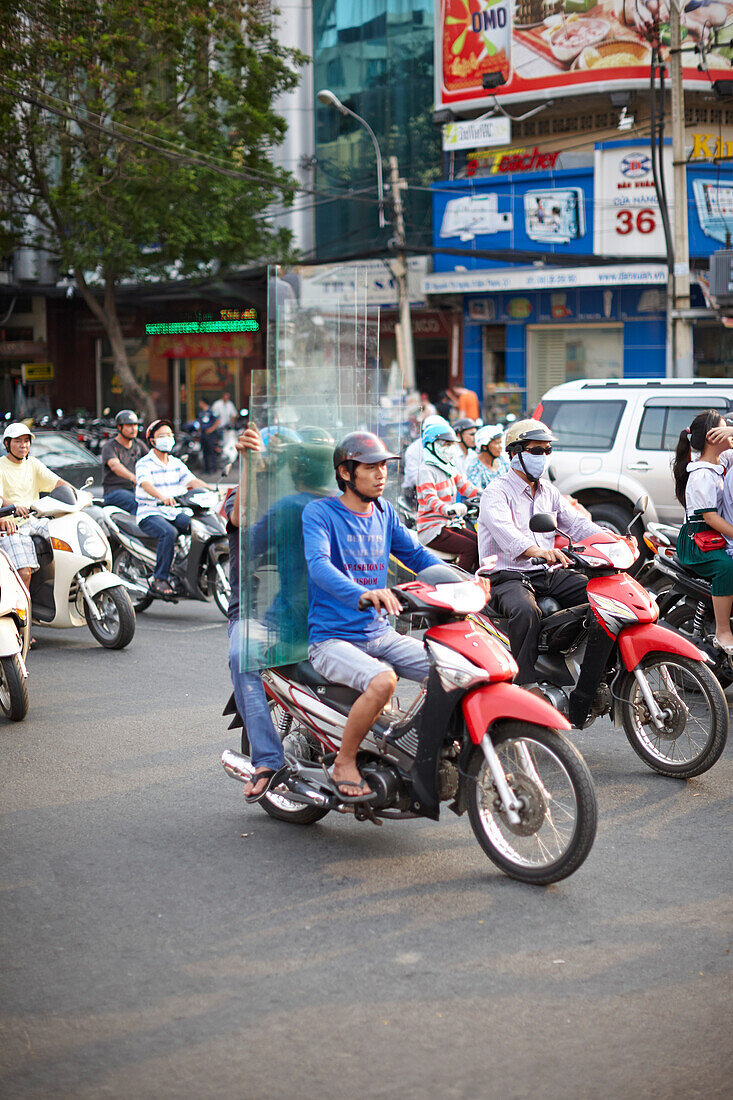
[377,57]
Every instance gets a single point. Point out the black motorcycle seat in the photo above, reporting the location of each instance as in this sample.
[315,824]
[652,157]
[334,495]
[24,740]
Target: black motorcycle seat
[305,674]
[126,523]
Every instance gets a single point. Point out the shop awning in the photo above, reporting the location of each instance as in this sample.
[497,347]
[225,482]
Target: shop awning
[543,278]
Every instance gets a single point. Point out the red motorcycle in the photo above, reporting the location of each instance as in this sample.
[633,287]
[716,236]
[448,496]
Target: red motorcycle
[471,738]
[610,656]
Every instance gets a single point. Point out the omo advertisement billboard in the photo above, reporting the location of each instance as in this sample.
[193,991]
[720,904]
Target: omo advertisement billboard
[545,48]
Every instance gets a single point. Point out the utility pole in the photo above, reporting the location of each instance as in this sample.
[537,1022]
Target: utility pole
[398,267]
[681,328]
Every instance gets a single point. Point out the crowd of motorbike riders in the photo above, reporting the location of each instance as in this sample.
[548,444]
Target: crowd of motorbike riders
[348,537]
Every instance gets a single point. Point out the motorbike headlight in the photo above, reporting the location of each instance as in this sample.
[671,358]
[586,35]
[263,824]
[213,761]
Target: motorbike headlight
[454,670]
[91,541]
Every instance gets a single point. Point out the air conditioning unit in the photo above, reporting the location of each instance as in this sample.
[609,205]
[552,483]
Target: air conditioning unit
[721,275]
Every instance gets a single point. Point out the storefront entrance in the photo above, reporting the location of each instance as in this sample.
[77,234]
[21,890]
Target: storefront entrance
[563,354]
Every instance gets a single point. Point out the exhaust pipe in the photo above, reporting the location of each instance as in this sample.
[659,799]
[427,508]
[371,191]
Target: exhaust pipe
[237,765]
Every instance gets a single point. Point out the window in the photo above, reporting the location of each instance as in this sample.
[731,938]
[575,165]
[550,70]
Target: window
[661,424]
[583,425]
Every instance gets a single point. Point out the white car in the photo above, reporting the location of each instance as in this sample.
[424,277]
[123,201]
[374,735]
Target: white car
[616,440]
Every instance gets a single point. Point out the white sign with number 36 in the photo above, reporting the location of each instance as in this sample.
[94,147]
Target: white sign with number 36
[627,219]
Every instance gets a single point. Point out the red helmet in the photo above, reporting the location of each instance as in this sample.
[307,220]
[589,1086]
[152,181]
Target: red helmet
[153,427]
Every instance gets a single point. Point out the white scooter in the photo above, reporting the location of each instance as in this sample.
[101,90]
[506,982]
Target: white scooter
[74,584]
[15,636]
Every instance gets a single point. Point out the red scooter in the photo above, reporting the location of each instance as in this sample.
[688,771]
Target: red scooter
[610,656]
[470,738]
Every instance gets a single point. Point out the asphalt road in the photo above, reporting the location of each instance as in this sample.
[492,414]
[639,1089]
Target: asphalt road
[161,940]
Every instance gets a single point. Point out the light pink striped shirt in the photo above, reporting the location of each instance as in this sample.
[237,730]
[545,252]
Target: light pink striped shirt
[507,506]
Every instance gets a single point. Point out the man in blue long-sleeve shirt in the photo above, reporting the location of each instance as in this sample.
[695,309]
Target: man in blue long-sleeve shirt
[348,541]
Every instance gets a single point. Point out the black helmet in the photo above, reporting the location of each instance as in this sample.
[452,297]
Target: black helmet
[463,423]
[126,416]
[355,448]
[153,427]
[361,447]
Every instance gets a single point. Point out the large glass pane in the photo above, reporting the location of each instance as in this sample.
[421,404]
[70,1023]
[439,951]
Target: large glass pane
[322,381]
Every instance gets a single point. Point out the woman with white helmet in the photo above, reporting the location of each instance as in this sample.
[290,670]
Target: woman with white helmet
[490,460]
[438,484]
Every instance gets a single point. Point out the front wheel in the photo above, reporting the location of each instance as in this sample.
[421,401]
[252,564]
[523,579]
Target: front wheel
[115,627]
[694,712]
[13,689]
[220,585]
[558,816]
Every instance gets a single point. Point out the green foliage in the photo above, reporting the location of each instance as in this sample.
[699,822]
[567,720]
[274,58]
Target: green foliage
[99,99]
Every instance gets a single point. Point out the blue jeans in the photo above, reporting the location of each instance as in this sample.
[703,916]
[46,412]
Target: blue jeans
[121,498]
[165,531]
[249,693]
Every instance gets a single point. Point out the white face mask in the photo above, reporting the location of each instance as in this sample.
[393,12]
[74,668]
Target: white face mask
[165,443]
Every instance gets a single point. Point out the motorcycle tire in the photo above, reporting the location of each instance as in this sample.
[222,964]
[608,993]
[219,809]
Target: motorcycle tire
[13,689]
[559,815]
[117,626]
[691,697]
[682,618]
[130,569]
[219,587]
[277,805]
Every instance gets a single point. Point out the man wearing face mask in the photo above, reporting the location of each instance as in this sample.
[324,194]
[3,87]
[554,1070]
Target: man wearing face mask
[159,478]
[507,505]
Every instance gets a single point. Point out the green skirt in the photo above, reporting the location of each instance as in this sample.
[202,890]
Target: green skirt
[716,566]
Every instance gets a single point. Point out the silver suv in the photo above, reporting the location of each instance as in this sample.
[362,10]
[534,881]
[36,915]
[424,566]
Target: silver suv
[616,441]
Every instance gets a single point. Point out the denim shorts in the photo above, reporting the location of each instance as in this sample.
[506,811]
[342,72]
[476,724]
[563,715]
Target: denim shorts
[356,666]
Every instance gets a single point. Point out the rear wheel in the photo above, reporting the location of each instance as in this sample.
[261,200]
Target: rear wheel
[558,815]
[115,627]
[695,727]
[301,744]
[698,624]
[13,689]
[134,572]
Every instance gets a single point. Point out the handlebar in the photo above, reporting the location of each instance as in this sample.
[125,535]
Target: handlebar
[7,510]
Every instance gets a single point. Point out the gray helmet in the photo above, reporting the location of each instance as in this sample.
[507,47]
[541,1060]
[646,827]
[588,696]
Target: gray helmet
[126,416]
[361,447]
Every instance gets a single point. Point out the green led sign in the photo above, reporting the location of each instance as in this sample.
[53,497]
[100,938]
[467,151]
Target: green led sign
[175,328]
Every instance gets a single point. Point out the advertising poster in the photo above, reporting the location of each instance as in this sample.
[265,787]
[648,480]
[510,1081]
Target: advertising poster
[532,48]
[627,219]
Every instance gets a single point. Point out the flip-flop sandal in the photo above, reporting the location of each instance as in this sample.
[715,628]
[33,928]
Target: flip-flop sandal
[351,798]
[162,590]
[273,779]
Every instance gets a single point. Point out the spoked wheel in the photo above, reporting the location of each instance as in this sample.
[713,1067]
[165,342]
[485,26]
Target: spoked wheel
[558,815]
[299,743]
[220,585]
[135,572]
[698,623]
[13,689]
[115,628]
[695,727]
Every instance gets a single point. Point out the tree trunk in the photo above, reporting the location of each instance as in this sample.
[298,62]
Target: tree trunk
[106,314]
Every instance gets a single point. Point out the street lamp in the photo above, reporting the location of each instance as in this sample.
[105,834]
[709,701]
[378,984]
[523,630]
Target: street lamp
[398,270]
[328,99]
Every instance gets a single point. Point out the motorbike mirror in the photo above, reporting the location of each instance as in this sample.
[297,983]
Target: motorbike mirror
[89,481]
[551,473]
[641,505]
[243,412]
[543,523]
[59,412]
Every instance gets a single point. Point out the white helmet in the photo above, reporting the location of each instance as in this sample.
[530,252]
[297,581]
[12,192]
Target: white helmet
[15,430]
[485,435]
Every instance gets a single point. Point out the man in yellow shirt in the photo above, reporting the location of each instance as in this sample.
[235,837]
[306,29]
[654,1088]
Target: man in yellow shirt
[22,480]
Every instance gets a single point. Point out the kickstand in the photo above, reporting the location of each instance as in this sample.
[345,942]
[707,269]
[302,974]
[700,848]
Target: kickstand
[364,812]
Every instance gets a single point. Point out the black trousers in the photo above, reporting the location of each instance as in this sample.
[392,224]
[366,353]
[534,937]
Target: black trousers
[514,595]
